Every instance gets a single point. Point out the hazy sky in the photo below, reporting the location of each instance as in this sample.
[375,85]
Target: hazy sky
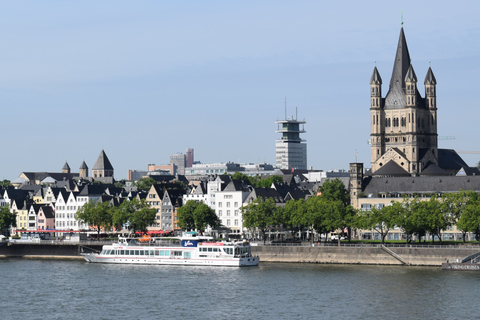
[147,79]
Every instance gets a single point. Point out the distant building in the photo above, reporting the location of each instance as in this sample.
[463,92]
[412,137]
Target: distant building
[290,149]
[179,160]
[189,158]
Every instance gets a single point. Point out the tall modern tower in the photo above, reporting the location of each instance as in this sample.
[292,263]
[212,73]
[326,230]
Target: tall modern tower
[290,149]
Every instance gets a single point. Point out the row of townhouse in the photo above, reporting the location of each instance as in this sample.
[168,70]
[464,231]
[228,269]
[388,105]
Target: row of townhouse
[55,208]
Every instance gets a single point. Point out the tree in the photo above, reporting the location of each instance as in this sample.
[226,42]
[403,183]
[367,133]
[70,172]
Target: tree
[259,214]
[454,204]
[469,220]
[96,214]
[205,216]
[144,183]
[7,219]
[186,219]
[380,220]
[338,213]
[5,183]
[197,216]
[335,190]
[433,216]
[295,214]
[137,213]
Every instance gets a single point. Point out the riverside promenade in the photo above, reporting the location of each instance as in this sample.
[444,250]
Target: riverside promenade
[330,253]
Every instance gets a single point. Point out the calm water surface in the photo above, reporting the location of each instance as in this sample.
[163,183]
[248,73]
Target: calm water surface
[44,289]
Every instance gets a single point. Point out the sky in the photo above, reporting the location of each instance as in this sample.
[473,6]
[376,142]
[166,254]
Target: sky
[144,80]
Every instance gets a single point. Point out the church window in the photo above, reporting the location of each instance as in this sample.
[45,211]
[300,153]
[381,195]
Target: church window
[373,119]
[377,118]
[378,151]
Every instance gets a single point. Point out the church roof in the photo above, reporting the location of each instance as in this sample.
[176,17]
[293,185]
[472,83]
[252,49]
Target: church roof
[391,168]
[449,159]
[102,162]
[375,79]
[411,76]
[432,169]
[83,165]
[430,77]
[421,184]
[66,166]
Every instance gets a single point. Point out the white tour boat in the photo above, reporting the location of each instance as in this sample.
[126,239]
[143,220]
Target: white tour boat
[194,251]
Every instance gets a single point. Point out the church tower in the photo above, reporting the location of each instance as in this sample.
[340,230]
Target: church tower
[403,124]
[102,169]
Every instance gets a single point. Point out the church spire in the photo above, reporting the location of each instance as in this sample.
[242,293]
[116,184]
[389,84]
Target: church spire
[401,65]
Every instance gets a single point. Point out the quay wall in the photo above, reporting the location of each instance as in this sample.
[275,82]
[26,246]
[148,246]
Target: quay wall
[32,250]
[412,255]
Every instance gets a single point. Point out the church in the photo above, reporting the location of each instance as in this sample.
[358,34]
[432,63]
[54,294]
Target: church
[405,158]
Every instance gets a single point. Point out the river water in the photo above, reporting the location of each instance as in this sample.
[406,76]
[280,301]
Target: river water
[39,289]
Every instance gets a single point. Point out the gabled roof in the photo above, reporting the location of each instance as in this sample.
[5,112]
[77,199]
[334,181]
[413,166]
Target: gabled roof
[48,212]
[93,190]
[391,168]
[235,185]
[102,162]
[431,169]
[411,76]
[267,193]
[448,159]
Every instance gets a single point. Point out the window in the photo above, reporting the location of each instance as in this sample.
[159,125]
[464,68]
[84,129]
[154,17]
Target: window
[219,204]
[228,213]
[219,213]
[228,204]
[228,222]
[236,213]
[235,204]
[236,222]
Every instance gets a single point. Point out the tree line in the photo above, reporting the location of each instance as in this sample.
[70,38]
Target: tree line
[331,211]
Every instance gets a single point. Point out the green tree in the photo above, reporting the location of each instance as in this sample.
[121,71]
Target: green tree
[259,214]
[338,213]
[138,213]
[97,214]
[144,183]
[295,214]
[185,215]
[433,216]
[407,220]
[380,220]
[7,219]
[5,183]
[197,216]
[335,190]
[469,220]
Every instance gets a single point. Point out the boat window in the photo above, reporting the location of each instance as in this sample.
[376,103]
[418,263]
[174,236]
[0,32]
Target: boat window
[122,252]
[177,253]
[112,252]
[141,252]
[215,249]
[210,249]
[127,252]
[151,252]
[137,252]
[157,252]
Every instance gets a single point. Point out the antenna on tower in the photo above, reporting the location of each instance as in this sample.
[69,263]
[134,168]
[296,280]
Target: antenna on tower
[402,18]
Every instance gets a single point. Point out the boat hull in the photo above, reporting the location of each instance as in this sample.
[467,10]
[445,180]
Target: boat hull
[232,262]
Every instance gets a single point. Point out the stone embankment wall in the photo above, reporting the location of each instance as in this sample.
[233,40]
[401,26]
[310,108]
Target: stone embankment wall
[415,256]
[46,250]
